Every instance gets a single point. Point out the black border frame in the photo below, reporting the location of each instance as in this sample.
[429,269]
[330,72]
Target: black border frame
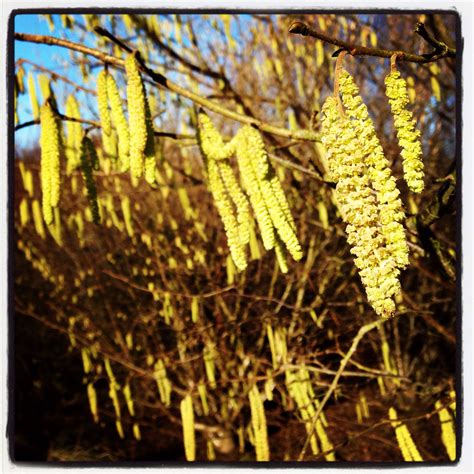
[10,60]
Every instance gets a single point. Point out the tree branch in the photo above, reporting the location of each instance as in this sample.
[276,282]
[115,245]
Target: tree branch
[300,28]
[162,81]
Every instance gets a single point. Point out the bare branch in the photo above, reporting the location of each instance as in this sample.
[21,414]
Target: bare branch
[300,28]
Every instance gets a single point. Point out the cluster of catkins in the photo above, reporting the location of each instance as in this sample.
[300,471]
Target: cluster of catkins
[137,149]
[260,184]
[366,191]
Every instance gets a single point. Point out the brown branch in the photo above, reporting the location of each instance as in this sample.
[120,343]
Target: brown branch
[94,124]
[162,81]
[439,46]
[300,28]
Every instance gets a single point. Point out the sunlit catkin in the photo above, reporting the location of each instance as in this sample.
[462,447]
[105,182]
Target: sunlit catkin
[224,207]
[448,434]
[265,191]
[408,136]
[405,441]
[50,161]
[252,187]
[187,419]
[73,134]
[259,425]
[120,122]
[136,115]
[211,142]
[88,158]
[346,160]
[379,172]
[104,112]
[92,396]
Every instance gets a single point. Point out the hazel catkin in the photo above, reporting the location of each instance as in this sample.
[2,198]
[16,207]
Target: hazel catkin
[408,136]
[378,168]
[136,115]
[120,122]
[50,161]
[74,135]
[346,160]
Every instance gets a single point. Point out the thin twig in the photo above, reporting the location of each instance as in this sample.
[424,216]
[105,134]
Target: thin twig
[362,331]
[300,28]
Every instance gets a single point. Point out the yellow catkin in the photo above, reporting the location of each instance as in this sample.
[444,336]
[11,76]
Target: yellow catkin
[271,343]
[88,158]
[259,425]
[119,121]
[104,112]
[239,199]
[27,179]
[127,393]
[408,136]
[50,161]
[24,212]
[452,405]
[405,442]
[136,431]
[211,454]
[298,392]
[37,219]
[136,115]
[33,96]
[224,207]
[187,418]
[162,381]
[194,309]
[252,187]
[127,215]
[211,142]
[92,396]
[74,134]
[225,189]
[448,433]
[261,181]
[377,265]
[86,363]
[379,172]
[209,355]
[203,396]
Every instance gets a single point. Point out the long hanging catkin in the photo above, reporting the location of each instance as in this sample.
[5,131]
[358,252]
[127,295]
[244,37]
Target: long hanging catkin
[259,425]
[104,112]
[408,136]
[384,184]
[225,189]
[120,122]
[346,160]
[74,135]
[265,191]
[187,418]
[405,441]
[136,115]
[50,161]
